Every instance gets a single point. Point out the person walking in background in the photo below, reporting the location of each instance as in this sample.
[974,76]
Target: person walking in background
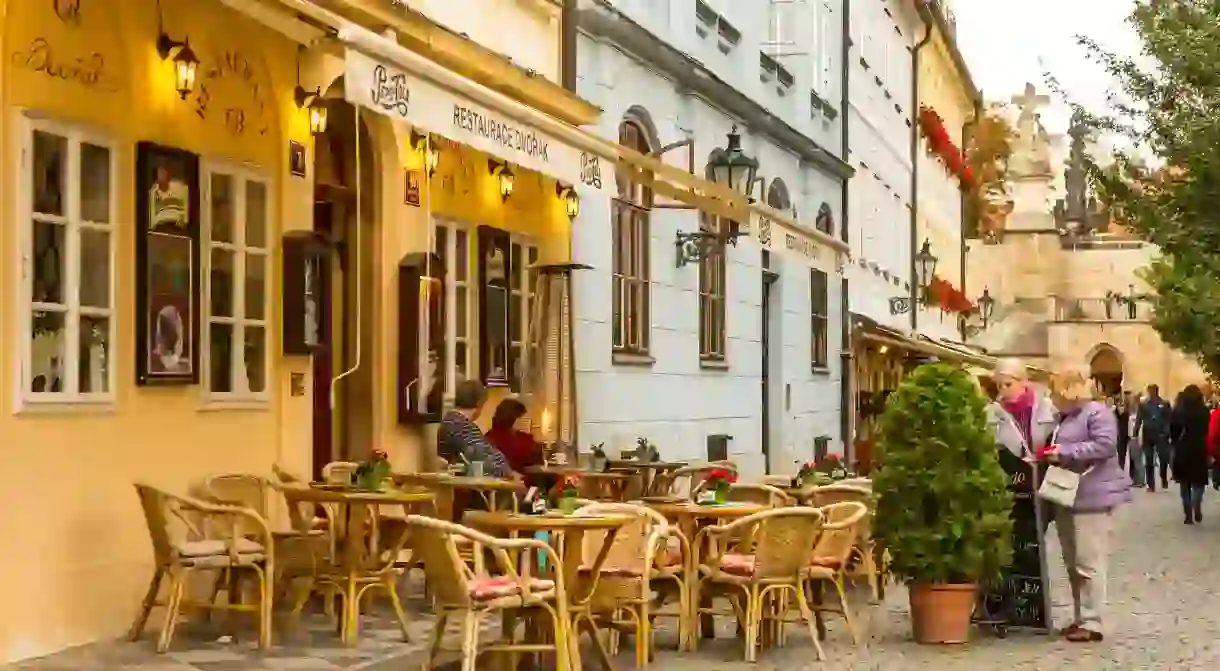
[1213,445]
[1135,453]
[1188,433]
[1086,444]
[1122,410]
[1152,423]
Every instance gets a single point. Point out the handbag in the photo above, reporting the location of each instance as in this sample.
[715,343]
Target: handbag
[1059,485]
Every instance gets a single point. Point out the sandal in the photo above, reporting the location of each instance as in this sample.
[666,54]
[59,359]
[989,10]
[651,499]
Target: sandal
[1081,635]
[1069,629]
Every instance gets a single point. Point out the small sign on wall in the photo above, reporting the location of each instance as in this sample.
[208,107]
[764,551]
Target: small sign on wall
[411,194]
[296,158]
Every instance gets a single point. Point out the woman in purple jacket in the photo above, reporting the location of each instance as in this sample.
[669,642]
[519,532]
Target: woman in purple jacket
[1086,443]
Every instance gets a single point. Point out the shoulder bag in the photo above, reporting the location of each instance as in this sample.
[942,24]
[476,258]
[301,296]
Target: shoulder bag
[1059,485]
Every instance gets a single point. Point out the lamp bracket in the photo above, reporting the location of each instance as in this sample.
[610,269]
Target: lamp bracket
[699,245]
[166,45]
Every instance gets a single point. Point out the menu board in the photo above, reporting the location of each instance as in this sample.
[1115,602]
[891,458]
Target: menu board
[1022,598]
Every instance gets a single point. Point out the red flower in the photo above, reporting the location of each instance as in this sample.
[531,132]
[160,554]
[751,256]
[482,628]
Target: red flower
[719,476]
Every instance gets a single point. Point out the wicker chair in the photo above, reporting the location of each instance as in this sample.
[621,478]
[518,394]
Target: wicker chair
[472,593]
[189,535]
[685,481]
[865,550]
[758,559]
[831,556]
[639,563]
[763,495]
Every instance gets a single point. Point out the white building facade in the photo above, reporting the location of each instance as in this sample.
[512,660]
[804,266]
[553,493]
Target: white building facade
[736,355]
[881,118]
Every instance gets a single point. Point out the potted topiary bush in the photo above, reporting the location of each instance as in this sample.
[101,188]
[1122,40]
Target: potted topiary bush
[943,501]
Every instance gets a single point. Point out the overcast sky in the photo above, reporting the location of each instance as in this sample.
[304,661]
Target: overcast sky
[1009,42]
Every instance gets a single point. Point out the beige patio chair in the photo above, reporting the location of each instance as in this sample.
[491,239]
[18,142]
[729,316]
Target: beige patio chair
[831,556]
[634,575]
[756,560]
[190,535]
[865,551]
[763,495]
[472,592]
[684,482]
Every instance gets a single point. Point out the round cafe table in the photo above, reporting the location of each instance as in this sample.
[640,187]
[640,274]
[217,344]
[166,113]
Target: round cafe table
[494,491]
[566,535]
[646,471]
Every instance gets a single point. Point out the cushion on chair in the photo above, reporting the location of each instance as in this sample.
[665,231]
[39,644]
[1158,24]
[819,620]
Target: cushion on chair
[738,564]
[208,548]
[827,562]
[615,571]
[486,589]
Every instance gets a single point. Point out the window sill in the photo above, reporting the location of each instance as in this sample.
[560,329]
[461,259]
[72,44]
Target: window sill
[65,406]
[713,364]
[821,371]
[631,359]
[257,404]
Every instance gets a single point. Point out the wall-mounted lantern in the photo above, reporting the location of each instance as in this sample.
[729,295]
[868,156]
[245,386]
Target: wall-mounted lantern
[428,149]
[986,307]
[729,167]
[186,64]
[313,103]
[504,175]
[925,270]
[571,201]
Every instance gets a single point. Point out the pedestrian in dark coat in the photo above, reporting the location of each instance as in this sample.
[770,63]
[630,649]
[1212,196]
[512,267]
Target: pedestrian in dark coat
[1188,431]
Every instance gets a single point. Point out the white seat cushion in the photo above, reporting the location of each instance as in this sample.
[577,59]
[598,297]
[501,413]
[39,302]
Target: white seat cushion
[209,548]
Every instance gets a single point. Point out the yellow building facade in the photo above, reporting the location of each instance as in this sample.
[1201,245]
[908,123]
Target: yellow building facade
[198,276]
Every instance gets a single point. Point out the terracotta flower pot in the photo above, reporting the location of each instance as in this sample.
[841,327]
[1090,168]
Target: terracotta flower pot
[941,613]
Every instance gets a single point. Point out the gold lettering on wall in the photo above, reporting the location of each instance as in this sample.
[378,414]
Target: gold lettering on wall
[232,91]
[58,59]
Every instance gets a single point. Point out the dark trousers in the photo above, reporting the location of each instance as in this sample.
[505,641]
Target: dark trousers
[1192,498]
[1154,451]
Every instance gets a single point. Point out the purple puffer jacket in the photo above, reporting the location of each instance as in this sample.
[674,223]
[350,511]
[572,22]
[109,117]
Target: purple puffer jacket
[1088,438]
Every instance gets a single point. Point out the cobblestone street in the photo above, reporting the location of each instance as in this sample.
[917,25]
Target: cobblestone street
[1163,615]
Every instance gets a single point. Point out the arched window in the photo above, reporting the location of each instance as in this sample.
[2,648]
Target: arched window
[630,223]
[825,221]
[777,195]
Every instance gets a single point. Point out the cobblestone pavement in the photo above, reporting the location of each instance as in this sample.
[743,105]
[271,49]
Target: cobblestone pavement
[1164,614]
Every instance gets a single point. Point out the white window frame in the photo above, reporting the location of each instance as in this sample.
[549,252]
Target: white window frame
[471,283]
[242,253]
[24,269]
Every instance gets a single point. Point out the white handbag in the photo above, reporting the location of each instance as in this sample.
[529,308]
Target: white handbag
[1059,485]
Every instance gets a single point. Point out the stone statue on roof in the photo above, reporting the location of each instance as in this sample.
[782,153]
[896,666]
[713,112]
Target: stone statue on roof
[1031,150]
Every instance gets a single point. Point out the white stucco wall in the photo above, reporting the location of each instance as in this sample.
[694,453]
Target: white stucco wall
[675,402]
[525,31]
[879,138]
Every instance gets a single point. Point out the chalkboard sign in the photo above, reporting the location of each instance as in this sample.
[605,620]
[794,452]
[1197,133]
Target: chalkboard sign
[1022,600]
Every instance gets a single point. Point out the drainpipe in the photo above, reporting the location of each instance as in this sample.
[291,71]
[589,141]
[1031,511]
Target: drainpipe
[925,12]
[567,45]
[968,131]
[847,372]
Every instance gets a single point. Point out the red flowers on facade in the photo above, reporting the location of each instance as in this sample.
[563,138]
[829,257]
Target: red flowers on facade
[940,144]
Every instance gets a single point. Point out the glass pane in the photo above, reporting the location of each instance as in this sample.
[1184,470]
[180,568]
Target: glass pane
[220,357]
[514,264]
[256,359]
[48,275]
[50,165]
[94,268]
[47,352]
[221,208]
[533,255]
[94,361]
[222,283]
[441,244]
[256,214]
[461,257]
[460,308]
[256,286]
[517,318]
[462,368]
[94,183]
[514,359]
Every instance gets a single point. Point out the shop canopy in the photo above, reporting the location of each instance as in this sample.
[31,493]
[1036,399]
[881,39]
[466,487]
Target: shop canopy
[383,76]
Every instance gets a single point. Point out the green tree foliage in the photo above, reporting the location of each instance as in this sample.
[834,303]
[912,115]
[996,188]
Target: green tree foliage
[1167,103]
[944,506]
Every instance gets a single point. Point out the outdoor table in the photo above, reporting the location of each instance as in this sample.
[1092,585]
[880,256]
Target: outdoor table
[604,486]
[356,563]
[647,471]
[690,516]
[566,536]
[492,490]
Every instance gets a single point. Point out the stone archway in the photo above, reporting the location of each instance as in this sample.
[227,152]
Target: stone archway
[1106,369]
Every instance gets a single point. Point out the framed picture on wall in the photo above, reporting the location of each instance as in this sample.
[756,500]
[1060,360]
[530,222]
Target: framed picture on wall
[167,265]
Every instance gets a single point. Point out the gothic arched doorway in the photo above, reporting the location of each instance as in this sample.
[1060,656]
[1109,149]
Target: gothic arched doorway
[1106,369]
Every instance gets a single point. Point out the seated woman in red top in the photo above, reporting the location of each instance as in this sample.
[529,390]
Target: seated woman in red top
[519,447]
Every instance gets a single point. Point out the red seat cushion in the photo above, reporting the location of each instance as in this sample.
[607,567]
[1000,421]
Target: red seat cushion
[486,589]
[738,564]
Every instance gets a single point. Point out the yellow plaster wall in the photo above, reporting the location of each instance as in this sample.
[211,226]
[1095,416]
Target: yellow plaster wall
[77,557]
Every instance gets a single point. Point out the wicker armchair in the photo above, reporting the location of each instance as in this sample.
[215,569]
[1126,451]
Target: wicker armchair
[831,556]
[685,481]
[189,535]
[639,564]
[757,560]
[865,550]
[472,593]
